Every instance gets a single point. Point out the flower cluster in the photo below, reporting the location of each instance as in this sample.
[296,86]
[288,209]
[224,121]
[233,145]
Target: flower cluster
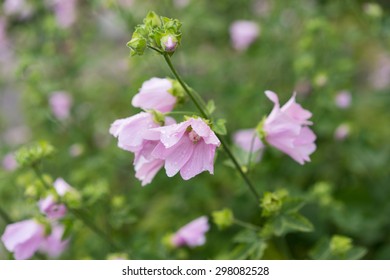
[157,141]
[26,237]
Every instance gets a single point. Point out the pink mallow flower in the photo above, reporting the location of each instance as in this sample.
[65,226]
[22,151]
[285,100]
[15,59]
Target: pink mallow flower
[248,140]
[243,33]
[23,238]
[60,104]
[131,131]
[188,147]
[50,206]
[286,129]
[192,234]
[65,12]
[155,94]
[343,99]
[53,245]
[342,132]
[9,162]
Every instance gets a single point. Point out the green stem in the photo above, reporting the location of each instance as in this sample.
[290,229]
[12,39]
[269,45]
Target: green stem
[5,216]
[206,116]
[246,225]
[180,113]
[80,215]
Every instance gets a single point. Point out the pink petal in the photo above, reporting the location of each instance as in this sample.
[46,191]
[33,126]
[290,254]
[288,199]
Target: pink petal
[179,155]
[202,159]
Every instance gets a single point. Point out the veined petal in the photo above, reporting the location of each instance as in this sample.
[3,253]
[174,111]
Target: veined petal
[179,156]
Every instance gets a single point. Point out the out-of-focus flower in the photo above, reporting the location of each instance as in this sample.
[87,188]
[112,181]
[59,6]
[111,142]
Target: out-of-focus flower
[17,135]
[188,147]
[17,8]
[76,150]
[53,245]
[343,99]
[155,94]
[342,132]
[51,208]
[126,3]
[379,78]
[192,234]
[60,104]
[23,238]
[131,131]
[9,162]
[248,140]
[65,12]
[262,7]
[243,33]
[286,129]
[181,3]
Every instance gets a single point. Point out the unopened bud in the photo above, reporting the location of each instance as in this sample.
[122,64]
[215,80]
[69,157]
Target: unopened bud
[169,43]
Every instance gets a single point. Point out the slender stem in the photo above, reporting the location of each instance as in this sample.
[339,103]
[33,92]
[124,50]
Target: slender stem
[185,87]
[5,216]
[180,113]
[246,225]
[206,116]
[155,49]
[249,164]
[78,214]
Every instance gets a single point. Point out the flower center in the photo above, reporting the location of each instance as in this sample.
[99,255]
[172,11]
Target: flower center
[194,137]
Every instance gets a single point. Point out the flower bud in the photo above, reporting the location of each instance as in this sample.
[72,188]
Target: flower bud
[223,218]
[169,43]
[340,245]
[152,20]
[271,204]
[137,44]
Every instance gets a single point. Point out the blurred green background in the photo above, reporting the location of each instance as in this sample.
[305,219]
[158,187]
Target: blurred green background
[316,48]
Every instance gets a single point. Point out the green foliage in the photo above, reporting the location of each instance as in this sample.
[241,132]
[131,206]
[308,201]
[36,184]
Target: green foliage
[223,218]
[33,154]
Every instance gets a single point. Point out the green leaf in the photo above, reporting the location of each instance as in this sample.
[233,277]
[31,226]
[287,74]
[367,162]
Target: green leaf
[210,107]
[298,222]
[292,204]
[292,222]
[219,127]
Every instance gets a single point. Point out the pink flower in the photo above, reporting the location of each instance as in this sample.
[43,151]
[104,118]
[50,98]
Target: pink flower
[65,12]
[342,132]
[62,187]
[17,7]
[131,131]
[243,33]
[53,245]
[192,234]
[188,147]
[248,140]
[9,162]
[60,104]
[155,94]
[146,166]
[286,129]
[343,99]
[50,206]
[23,238]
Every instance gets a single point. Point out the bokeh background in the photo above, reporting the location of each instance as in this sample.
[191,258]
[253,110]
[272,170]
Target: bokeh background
[317,48]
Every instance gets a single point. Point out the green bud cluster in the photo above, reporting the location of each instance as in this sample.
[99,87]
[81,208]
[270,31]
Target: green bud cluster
[272,203]
[160,33]
[32,155]
[340,244]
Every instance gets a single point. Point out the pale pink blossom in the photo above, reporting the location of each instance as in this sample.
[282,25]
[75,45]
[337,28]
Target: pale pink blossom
[62,187]
[342,132]
[379,78]
[188,147]
[181,3]
[131,131]
[192,234]
[155,94]
[9,162]
[53,245]
[248,140]
[23,238]
[65,12]
[243,33]
[286,129]
[343,99]
[51,208]
[146,166]
[20,8]
[60,104]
